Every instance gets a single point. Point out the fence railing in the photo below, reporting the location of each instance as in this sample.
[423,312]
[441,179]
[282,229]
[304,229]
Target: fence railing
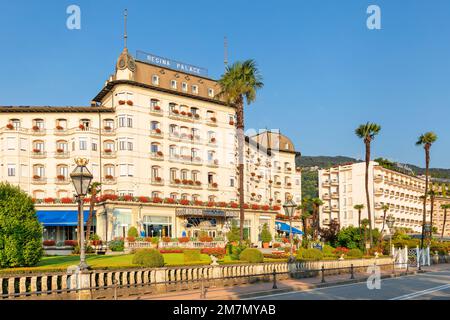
[149,281]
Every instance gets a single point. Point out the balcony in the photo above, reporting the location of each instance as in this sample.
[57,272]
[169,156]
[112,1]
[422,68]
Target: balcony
[157,181]
[36,131]
[38,154]
[378,178]
[213,163]
[156,111]
[60,131]
[212,142]
[157,133]
[39,180]
[108,131]
[326,196]
[174,136]
[288,185]
[326,209]
[159,156]
[326,222]
[62,180]
[288,170]
[335,208]
[379,192]
[212,121]
[213,186]
[109,180]
[326,183]
[186,116]
[109,154]
[62,154]
[334,182]
[277,184]
[335,195]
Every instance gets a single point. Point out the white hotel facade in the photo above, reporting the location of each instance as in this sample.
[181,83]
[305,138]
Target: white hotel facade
[151,132]
[342,187]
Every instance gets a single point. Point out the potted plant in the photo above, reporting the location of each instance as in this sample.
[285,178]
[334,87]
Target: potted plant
[213,119]
[129,102]
[107,128]
[60,177]
[60,150]
[36,128]
[157,108]
[231,123]
[10,126]
[158,130]
[266,236]
[121,102]
[82,127]
[108,150]
[58,127]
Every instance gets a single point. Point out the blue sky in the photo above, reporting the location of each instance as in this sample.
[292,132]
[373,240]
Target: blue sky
[324,71]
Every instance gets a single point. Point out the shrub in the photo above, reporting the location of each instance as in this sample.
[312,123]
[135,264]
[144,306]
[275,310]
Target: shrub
[191,255]
[328,251]
[340,250]
[236,251]
[131,239]
[251,255]
[355,253]
[132,232]
[170,250]
[88,249]
[217,252]
[205,238]
[49,243]
[150,258]
[233,234]
[310,254]
[116,245]
[266,236]
[71,243]
[166,239]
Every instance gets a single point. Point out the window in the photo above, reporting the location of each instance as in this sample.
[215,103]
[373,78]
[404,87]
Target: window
[11,143]
[61,124]
[154,125]
[83,143]
[173,174]
[23,144]
[232,181]
[125,121]
[94,145]
[156,194]
[155,80]
[173,84]
[108,124]
[194,89]
[126,144]
[184,87]
[39,123]
[24,170]
[86,123]
[126,170]
[184,174]
[15,123]
[211,92]
[109,170]
[38,145]
[62,170]
[194,176]
[155,172]
[38,170]
[154,148]
[11,170]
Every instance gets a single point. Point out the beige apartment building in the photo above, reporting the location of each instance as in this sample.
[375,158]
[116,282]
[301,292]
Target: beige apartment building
[163,147]
[438,216]
[342,187]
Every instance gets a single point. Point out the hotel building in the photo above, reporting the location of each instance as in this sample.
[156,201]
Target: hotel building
[164,149]
[342,187]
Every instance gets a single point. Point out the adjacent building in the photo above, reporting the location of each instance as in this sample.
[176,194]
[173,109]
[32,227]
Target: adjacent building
[342,187]
[164,149]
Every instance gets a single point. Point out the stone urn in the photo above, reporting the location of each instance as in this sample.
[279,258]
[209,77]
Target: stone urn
[341,257]
[435,258]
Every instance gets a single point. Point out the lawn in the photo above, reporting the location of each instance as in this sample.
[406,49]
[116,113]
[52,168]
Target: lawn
[60,263]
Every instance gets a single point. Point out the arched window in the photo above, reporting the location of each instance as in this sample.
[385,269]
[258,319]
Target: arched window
[38,194]
[38,146]
[38,124]
[62,172]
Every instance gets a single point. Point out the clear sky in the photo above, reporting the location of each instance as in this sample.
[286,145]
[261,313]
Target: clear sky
[325,72]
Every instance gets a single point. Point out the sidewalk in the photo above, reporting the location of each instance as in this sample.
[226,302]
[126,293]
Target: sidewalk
[253,290]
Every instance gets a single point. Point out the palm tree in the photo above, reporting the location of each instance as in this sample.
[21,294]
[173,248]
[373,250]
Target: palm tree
[306,214]
[385,208]
[240,82]
[445,207]
[316,203]
[432,194]
[367,132]
[426,140]
[359,207]
[364,223]
[94,189]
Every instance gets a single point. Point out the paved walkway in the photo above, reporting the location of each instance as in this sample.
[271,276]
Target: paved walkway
[264,288]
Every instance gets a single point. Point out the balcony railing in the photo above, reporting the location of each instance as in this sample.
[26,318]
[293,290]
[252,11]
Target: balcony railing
[38,154]
[157,155]
[39,180]
[157,181]
[62,180]
[156,110]
[38,132]
[157,133]
[108,180]
[109,154]
[62,154]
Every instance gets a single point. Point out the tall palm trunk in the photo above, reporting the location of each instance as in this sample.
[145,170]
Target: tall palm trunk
[359,224]
[91,212]
[241,142]
[432,197]
[367,142]
[443,224]
[424,216]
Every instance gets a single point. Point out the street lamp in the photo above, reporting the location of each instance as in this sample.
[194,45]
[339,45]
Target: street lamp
[81,179]
[390,223]
[289,209]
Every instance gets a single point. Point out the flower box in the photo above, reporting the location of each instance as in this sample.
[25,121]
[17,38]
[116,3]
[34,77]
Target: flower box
[49,200]
[159,153]
[231,123]
[66,200]
[9,126]
[158,131]
[177,181]
[213,140]
[198,183]
[108,128]
[36,128]
[49,243]
[59,128]
[70,243]
[61,177]
[37,150]
[184,202]
[234,205]
[59,150]
[157,108]
[127,197]
[108,150]
[255,207]
[214,185]
[277,208]
[36,177]
[183,113]
[175,111]
[129,102]
[109,177]
[213,119]
[170,200]
[122,102]
[157,200]
[158,179]
[189,114]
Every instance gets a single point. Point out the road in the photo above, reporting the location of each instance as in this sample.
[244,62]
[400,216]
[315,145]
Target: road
[425,286]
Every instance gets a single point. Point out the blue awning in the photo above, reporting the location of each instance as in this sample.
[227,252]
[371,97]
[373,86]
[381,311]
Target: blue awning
[284,227]
[63,218]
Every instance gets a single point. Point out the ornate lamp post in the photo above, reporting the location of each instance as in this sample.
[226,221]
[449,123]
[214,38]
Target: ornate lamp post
[81,179]
[390,223]
[289,209]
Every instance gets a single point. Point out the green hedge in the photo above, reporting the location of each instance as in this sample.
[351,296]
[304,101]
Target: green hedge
[251,255]
[150,258]
[310,254]
[355,253]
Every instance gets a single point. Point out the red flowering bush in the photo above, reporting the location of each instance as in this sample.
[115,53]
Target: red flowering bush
[217,252]
[255,207]
[276,208]
[111,197]
[71,243]
[168,250]
[340,250]
[129,102]
[48,243]
[246,206]
[265,207]
[157,200]
[198,203]
[121,102]
[169,200]
[143,199]
[49,200]
[183,239]
[184,202]
[96,242]
[234,205]
[205,239]
[131,239]
[128,197]
[211,204]
[166,239]
[66,200]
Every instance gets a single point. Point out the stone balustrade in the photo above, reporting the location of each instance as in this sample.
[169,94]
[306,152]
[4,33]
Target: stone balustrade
[186,245]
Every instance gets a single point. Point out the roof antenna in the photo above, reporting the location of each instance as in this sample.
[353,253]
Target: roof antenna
[225,52]
[125,36]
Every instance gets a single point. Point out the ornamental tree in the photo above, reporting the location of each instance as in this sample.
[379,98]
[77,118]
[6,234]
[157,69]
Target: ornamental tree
[20,230]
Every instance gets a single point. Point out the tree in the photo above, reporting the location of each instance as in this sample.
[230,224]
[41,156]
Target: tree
[445,207]
[426,140]
[385,208]
[432,194]
[316,203]
[330,234]
[349,237]
[266,236]
[233,234]
[240,81]
[359,207]
[306,213]
[364,224]
[20,230]
[367,132]
[94,189]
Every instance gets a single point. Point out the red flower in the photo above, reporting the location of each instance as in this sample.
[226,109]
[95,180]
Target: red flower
[129,102]
[276,208]
[157,108]
[70,243]
[66,200]
[36,128]
[128,197]
[49,200]
[255,207]
[234,205]
[49,243]
[81,126]
[265,207]
[157,200]
[170,200]
[59,128]
[143,199]
[121,102]
[10,126]
[184,202]
[183,239]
